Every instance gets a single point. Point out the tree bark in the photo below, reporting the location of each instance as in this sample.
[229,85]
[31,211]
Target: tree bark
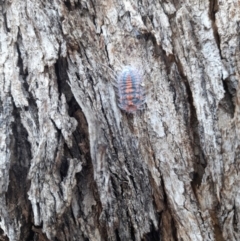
[76,167]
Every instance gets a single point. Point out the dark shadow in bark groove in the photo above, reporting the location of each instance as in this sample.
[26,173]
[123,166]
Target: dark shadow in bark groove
[227,103]
[61,67]
[193,127]
[64,164]
[16,196]
[216,226]
[168,230]
[117,235]
[200,163]
[132,233]
[213,9]
[38,234]
[77,5]
[153,235]
[30,236]
[2,236]
[5,22]
[80,150]
[68,5]
[68,227]
[81,144]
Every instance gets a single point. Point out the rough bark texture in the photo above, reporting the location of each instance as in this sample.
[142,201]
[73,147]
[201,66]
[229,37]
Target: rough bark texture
[73,166]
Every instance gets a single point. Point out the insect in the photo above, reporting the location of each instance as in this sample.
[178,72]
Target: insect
[130,90]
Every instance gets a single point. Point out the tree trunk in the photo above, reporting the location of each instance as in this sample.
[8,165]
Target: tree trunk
[74,166]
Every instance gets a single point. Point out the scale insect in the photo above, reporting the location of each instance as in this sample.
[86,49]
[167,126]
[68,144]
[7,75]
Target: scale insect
[130,90]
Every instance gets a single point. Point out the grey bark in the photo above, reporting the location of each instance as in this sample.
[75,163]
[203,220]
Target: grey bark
[73,166]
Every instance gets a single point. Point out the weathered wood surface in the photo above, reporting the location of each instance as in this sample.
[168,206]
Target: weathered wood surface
[73,166]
